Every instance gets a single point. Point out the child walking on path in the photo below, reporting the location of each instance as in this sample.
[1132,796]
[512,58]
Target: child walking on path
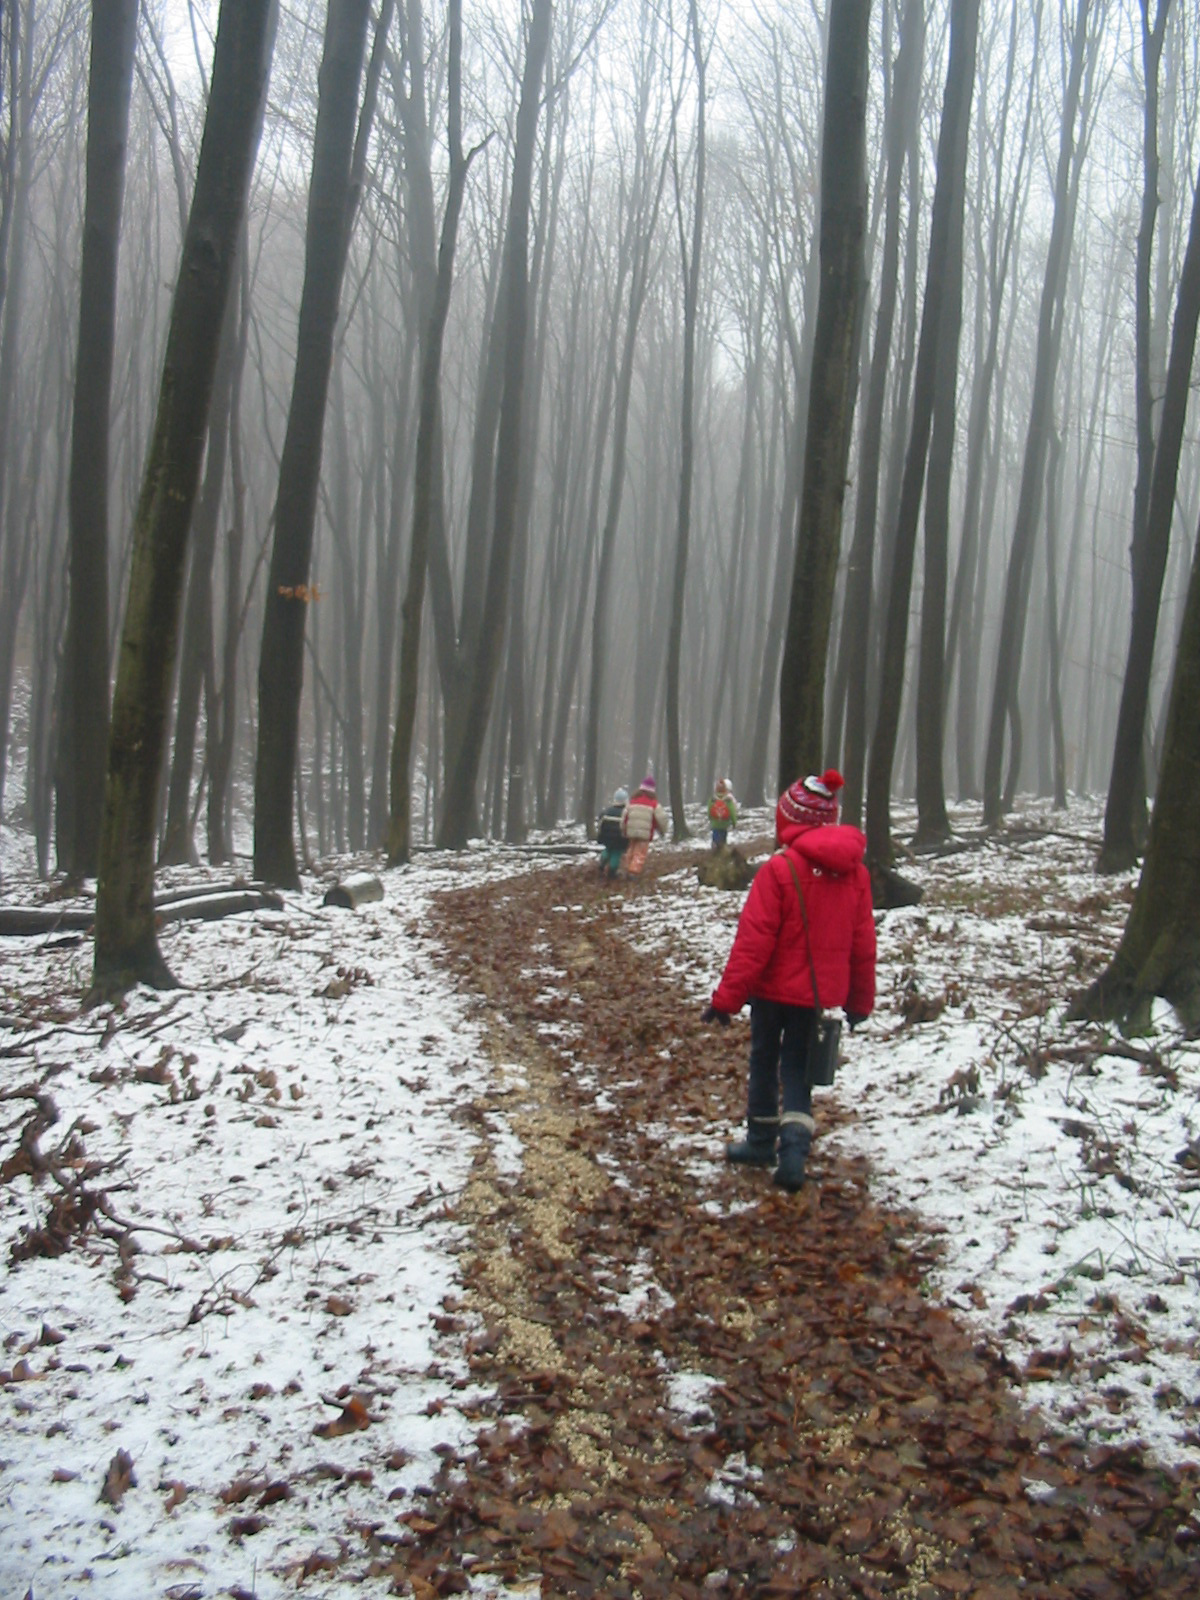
[612,841]
[639,821]
[807,923]
[722,813]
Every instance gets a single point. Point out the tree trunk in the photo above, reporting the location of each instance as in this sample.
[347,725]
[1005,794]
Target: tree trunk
[196,649]
[937,324]
[126,947]
[428,443]
[856,613]
[1118,851]
[281,663]
[463,767]
[1005,710]
[831,391]
[1159,953]
[110,80]
[220,723]
[1125,812]
[933,825]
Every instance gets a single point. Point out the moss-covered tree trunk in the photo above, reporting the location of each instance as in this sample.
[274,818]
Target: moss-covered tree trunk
[126,946]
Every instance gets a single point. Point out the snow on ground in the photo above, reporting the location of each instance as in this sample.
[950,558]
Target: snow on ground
[280,1136]
[1064,1184]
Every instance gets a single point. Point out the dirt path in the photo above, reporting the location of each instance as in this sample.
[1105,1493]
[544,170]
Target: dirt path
[706,1386]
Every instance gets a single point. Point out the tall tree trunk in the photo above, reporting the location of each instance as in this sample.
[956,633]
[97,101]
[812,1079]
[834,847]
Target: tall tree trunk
[196,650]
[1118,848]
[110,80]
[831,391]
[126,947]
[1159,952]
[691,296]
[463,766]
[1054,633]
[220,723]
[281,662]
[933,825]
[937,324]
[1125,811]
[15,547]
[856,613]
[1005,710]
[428,443]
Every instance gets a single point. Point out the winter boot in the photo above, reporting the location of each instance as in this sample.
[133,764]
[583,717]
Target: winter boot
[795,1136]
[757,1149]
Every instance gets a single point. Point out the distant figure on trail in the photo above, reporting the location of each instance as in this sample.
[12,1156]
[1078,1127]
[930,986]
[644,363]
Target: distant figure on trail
[641,817]
[722,812]
[805,940]
[612,841]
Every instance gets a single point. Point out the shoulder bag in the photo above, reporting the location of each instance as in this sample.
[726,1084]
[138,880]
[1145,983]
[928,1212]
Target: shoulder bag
[827,1031]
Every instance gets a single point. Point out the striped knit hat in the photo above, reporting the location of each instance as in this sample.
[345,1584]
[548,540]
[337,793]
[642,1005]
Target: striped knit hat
[811,802]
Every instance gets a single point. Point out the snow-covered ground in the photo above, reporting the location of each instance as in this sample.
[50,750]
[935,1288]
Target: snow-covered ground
[1064,1183]
[280,1136]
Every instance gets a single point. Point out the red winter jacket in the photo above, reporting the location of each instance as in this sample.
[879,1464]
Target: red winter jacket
[769,959]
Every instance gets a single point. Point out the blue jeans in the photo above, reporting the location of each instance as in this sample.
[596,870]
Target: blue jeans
[779,1041]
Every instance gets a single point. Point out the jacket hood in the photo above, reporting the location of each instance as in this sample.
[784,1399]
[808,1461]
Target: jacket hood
[836,847]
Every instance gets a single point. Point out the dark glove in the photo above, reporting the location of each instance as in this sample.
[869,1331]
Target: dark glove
[711,1014]
[854,1019]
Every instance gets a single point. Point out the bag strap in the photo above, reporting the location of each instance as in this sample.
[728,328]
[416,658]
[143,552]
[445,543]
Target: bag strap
[812,966]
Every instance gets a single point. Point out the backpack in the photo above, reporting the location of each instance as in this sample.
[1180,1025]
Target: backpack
[718,812]
[609,833]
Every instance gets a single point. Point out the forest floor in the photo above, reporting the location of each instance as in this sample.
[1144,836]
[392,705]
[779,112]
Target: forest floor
[396,1253]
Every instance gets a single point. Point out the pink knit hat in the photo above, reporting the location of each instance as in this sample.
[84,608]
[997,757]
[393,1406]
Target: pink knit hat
[648,784]
[812,802]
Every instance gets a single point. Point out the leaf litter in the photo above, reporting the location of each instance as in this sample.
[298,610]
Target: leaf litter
[565,1348]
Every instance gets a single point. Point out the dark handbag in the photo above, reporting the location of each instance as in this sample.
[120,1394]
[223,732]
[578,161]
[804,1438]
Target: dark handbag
[827,1031]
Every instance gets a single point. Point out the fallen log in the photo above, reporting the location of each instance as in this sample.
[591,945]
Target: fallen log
[18,922]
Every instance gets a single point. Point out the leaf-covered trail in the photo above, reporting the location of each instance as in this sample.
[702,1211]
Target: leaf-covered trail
[705,1386]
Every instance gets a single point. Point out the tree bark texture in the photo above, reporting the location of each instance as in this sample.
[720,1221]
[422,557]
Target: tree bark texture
[399,844]
[1124,814]
[831,391]
[1005,711]
[856,613]
[463,767]
[196,649]
[281,663]
[1159,953]
[126,947]
[946,219]
[933,825]
[1118,851]
[110,80]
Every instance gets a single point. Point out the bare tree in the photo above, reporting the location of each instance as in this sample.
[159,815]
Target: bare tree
[110,80]
[831,391]
[436,300]
[1005,710]
[937,325]
[331,211]
[126,945]
[690,258]
[463,765]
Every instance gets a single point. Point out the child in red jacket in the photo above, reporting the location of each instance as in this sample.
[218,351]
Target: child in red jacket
[816,884]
